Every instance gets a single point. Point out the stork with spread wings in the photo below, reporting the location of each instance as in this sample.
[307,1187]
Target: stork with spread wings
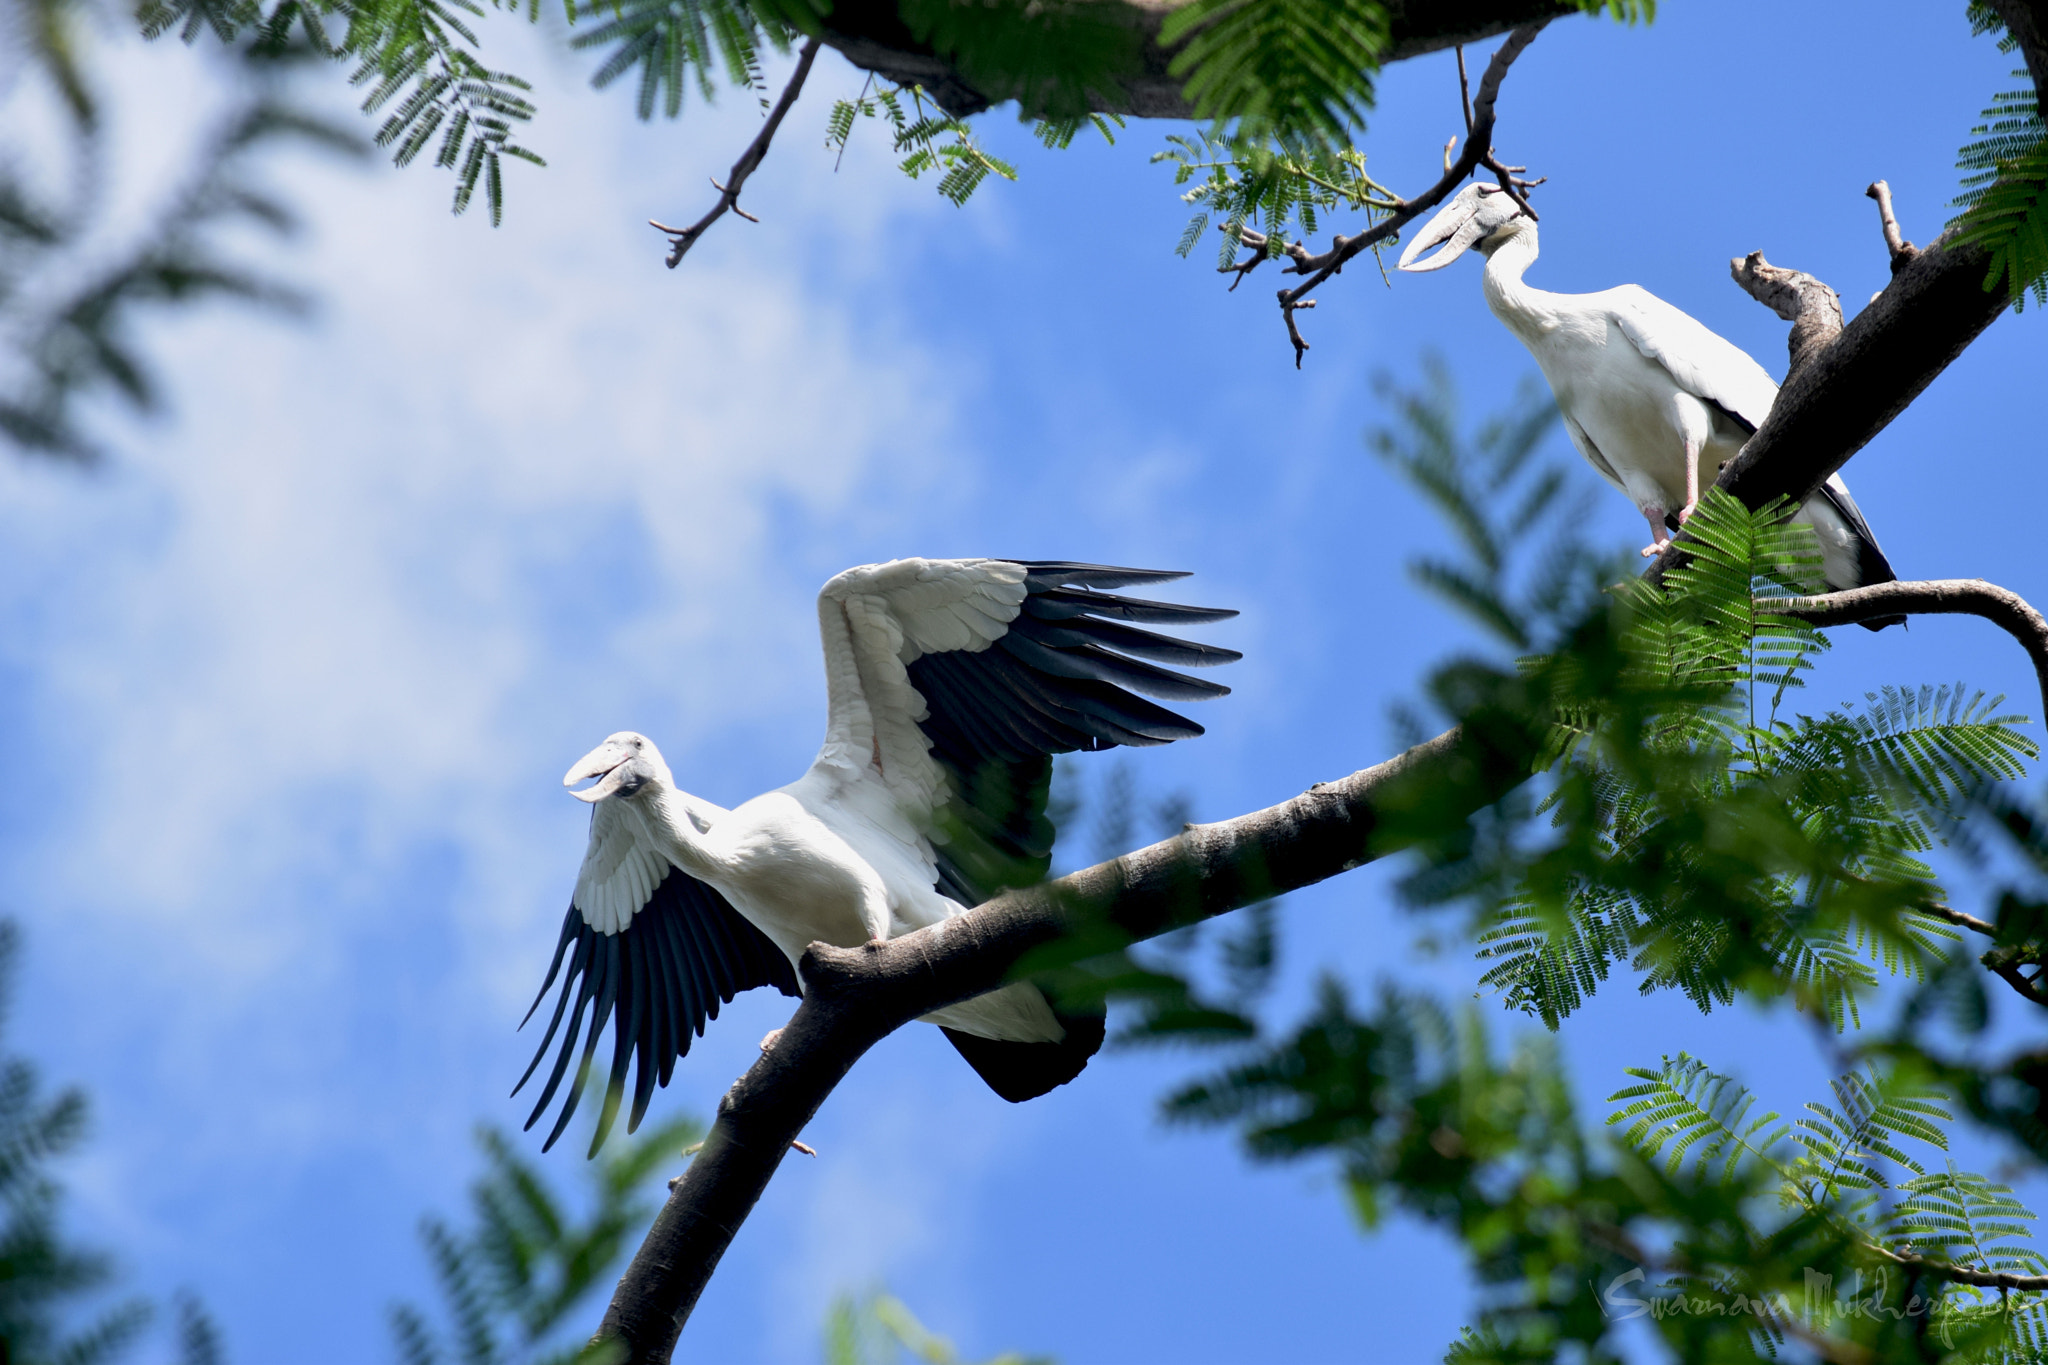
[951,683]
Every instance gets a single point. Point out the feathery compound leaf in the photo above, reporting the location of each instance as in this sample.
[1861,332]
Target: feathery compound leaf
[1683,1105]
[2005,195]
[1846,1145]
[1291,68]
[675,43]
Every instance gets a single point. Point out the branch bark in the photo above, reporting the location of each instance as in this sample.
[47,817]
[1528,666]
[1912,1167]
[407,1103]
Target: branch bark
[872,35]
[682,239]
[854,997]
[1478,152]
[1813,309]
[1932,597]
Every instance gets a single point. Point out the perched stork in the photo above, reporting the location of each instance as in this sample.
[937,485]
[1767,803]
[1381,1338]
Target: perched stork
[951,683]
[1647,392]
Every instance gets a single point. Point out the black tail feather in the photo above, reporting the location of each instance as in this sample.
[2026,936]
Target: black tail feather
[1024,1071]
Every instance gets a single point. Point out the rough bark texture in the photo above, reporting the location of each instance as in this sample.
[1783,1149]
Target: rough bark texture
[1813,309]
[872,35]
[854,997]
[1933,597]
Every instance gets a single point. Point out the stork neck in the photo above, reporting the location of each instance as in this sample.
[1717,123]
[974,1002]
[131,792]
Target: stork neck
[669,815]
[1528,312]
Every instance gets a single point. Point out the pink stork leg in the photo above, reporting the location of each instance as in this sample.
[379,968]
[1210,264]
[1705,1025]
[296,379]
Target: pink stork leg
[1659,541]
[1692,479]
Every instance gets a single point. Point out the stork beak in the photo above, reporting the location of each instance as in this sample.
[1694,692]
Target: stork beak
[1457,223]
[609,762]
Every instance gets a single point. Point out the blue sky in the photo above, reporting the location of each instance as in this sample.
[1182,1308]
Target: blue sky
[288,687]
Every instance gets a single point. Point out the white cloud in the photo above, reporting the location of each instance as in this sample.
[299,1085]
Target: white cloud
[302,668]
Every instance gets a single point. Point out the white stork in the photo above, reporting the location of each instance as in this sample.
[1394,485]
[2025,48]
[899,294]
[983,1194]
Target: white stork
[1647,392]
[951,683]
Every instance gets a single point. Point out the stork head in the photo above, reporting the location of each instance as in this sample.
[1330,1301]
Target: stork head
[1481,215]
[624,765]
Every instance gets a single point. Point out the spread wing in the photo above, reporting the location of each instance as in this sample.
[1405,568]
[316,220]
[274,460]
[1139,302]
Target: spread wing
[954,682]
[1705,364]
[654,952]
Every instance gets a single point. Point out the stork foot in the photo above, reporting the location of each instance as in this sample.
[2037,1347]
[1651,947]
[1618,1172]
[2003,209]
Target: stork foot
[1659,541]
[771,1039]
[1685,512]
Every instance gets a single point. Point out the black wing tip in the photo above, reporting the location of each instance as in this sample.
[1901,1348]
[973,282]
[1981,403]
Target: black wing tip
[634,981]
[1054,573]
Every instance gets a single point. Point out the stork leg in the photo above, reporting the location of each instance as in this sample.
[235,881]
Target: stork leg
[1692,478]
[1659,541]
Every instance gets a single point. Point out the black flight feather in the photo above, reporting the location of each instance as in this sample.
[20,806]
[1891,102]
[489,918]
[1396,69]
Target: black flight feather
[1064,677]
[685,952]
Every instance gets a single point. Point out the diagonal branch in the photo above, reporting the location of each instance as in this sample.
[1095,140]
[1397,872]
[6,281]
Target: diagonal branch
[682,239]
[1478,152]
[854,997]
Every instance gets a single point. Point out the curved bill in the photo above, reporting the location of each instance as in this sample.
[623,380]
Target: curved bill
[1456,224]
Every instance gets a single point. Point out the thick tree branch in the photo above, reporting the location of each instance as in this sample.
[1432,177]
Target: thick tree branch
[1933,597]
[1847,390]
[856,996]
[1813,309]
[682,239]
[872,35]
[2027,21]
[1882,360]
[1478,152]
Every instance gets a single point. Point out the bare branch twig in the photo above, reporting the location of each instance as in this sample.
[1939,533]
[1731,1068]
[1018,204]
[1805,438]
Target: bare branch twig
[1478,152]
[1903,252]
[682,239]
[1962,919]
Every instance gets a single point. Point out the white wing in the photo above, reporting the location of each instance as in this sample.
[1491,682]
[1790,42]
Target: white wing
[621,868]
[875,622]
[1704,363]
[953,682]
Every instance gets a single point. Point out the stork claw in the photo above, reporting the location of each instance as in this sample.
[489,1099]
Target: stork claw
[1652,551]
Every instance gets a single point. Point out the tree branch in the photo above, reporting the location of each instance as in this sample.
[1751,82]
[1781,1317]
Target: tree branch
[1960,1274]
[872,35]
[682,239]
[1903,252]
[1947,597]
[1813,309]
[1478,152]
[1932,597]
[854,997]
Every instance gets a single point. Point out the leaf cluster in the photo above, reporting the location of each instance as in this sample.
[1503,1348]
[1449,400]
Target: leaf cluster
[931,140]
[72,291]
[46,1281]
[1687,826]
[880,1329]
[2005,194]
[513,1281]
[1278,189]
